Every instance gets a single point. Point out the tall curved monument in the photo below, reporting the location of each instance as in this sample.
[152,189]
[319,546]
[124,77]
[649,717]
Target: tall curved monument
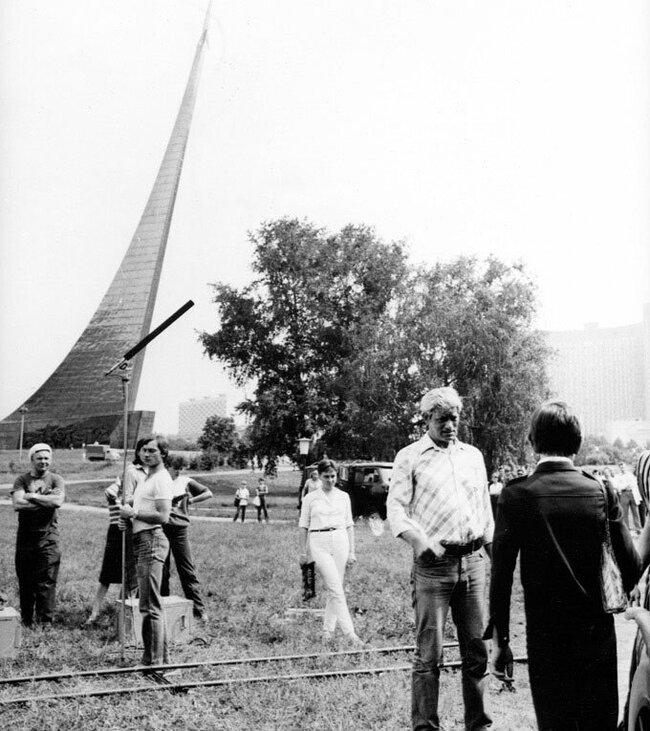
[77,398]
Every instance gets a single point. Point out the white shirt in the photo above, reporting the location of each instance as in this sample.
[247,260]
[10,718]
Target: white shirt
[322,509]
[156,486]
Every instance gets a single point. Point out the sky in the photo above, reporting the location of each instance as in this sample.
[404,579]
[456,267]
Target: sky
[513,127]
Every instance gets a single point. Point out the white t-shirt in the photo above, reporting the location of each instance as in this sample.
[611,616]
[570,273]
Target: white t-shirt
[156,486]
[243,495]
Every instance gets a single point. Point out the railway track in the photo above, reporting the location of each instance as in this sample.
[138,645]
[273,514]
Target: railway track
[163,677]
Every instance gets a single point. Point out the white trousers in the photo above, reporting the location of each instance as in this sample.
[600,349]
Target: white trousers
[330,550]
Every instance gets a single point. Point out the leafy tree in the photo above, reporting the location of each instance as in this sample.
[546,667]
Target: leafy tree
[468,324]
[341,338]
[599,450]
[219,435]
[297,325]
[182,444]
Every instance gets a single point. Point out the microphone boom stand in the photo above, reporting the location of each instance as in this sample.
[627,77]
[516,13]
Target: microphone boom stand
[123,367]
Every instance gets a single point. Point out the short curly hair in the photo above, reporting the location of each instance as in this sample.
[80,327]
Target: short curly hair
[445,397]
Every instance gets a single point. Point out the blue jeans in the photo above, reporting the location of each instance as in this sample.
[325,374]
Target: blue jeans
[151,548]
[438,584]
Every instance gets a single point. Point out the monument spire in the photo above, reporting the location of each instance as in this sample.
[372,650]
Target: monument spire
[77,395]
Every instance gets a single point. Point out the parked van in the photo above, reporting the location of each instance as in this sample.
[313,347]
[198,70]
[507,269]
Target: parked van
[101,452]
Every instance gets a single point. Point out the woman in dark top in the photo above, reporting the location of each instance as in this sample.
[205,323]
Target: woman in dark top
[186,492]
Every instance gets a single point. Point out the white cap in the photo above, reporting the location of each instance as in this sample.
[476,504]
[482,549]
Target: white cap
[40,447]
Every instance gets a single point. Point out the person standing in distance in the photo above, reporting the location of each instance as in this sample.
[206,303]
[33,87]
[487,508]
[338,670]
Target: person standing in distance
[261,493]
[439,504]
[36,497]
[555,518]
[151,507]
[241,501]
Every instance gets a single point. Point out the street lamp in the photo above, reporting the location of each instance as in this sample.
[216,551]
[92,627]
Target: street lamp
[303,449]
[23,410]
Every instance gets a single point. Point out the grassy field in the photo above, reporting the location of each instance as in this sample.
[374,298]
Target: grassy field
[251,577]
[283,489]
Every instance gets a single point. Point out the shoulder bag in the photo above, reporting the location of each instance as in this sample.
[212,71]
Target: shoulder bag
[611,580]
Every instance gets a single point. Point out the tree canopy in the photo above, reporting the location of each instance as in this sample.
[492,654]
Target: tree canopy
[341,337]
[218,435]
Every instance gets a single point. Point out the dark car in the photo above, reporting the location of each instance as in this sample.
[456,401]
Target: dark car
[366,483]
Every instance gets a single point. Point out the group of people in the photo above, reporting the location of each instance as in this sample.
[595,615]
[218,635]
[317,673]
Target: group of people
[242,496]
[148,515]
[554,519]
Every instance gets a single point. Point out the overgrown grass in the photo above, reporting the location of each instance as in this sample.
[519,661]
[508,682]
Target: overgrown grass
[250,576]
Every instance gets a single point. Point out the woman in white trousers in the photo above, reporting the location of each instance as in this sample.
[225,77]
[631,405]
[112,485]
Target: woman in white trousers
[327,535]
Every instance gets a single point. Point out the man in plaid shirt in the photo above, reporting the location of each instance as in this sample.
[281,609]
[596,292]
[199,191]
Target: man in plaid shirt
[440,505]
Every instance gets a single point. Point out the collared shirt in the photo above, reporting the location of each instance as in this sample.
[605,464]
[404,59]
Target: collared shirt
[440,492]
[322,509]
[554,458]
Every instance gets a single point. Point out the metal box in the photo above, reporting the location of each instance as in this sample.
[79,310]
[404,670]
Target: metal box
[10,632]
[178,614]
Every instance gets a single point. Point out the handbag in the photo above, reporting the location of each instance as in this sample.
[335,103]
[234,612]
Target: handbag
[308,580]
[611,581]
[236,503]
[257,502]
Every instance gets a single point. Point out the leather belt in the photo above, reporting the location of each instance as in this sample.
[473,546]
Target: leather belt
[321,530]
[463,549]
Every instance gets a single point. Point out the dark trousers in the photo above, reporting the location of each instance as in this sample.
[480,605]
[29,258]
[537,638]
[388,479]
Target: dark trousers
[241,510]
[628,506]
[572,670]
[179,547]
[37,568]
[262,507]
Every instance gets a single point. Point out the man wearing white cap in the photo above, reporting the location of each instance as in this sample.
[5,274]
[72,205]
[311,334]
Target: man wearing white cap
[439,504]
[36,497]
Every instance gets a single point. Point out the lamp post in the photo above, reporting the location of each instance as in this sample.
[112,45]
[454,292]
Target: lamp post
[303,449]
[23,410]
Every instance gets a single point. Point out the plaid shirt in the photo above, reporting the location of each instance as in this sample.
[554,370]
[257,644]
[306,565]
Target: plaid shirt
[442,493]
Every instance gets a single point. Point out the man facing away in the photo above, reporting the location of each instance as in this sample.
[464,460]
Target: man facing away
[439,504]
[152,501]
[36,497]
[555,518]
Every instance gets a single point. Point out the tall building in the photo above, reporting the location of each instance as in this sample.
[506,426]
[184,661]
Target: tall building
[192,414]
[604,373]
[78,395]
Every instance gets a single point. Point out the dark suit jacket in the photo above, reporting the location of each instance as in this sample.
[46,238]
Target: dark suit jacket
[555,518]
